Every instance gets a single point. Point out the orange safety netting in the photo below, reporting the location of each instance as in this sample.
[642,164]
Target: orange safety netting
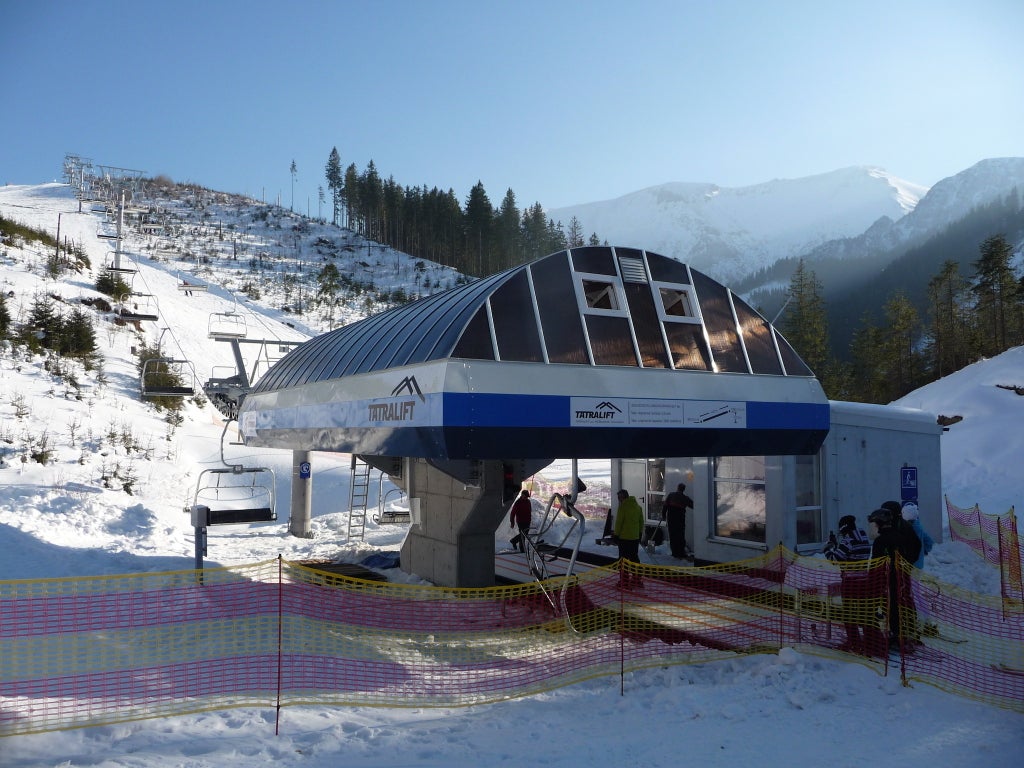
[76,652]
[994,537]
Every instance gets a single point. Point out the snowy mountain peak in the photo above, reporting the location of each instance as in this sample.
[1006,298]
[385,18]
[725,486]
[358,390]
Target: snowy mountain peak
[733,231]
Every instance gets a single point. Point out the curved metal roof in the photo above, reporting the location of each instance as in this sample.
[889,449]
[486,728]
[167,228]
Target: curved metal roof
[591,306]
[644,353]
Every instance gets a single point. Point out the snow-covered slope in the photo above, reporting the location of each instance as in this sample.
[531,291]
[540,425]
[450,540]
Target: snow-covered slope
[732,232]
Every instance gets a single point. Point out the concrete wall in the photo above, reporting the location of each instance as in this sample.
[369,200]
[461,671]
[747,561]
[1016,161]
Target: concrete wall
[453,543]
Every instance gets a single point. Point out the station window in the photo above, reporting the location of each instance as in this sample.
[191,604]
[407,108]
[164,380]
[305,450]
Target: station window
[809,523]
[740,509]
[600,294]
[677,303]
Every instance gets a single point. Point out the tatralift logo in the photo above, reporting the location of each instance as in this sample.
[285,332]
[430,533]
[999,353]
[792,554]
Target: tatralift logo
[588,411]
[397,410]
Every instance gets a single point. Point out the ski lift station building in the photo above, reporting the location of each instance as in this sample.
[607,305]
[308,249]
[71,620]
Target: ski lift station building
[592,353]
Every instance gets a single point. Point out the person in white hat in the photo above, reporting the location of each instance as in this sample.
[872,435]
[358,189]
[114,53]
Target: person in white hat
[912,515]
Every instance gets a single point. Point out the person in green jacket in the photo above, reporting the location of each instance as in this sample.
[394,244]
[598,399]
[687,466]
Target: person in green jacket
[629,525]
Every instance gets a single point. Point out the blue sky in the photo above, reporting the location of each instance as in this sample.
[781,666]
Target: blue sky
[564,102]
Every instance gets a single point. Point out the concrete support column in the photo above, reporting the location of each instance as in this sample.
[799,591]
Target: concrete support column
[300,517]
[453,544]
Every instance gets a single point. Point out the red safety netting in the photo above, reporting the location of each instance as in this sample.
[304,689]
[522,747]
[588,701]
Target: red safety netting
[77,652]
[993,537]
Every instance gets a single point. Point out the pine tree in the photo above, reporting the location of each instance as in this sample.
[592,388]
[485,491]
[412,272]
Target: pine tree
[950,324]
[5,317]
[335,182]
[574,237]
[478,221]
[805,321]
[507,232]
[996,291]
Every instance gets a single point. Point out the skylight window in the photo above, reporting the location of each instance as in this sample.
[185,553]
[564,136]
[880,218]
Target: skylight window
[600,294]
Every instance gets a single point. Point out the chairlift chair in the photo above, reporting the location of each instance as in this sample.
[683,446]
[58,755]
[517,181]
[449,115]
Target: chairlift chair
[187,284]
[237,494]
[114,264]
[227,325]
[138,306]
[167,377]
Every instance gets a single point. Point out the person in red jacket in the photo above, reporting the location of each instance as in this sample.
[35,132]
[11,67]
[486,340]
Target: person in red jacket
[522,512]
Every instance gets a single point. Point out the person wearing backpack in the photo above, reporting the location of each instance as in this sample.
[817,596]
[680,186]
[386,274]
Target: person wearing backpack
[890,541]
[909,542]
[911,515]
[851,546]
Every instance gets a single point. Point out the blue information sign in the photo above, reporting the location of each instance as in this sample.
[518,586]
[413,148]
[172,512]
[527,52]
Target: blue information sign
[908,484]
[305,470]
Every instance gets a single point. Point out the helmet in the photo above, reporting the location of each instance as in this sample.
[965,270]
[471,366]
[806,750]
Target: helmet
[881,517]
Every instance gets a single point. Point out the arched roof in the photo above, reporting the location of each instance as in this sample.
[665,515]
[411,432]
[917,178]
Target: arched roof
[516,361]
[585,306]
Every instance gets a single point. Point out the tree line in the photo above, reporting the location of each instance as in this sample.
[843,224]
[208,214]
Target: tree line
[475,238]
[966,318]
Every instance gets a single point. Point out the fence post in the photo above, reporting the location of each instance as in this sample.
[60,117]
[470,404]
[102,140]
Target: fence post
[280,642]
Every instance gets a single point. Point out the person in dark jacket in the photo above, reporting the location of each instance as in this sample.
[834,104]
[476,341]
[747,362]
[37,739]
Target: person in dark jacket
[521,517]
[676,504]
[887,544]
[852,546]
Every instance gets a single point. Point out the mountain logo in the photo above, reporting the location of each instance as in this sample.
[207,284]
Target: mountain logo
[408,386]
[602,412]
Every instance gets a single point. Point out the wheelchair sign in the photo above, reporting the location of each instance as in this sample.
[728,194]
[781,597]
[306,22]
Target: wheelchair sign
[908,484]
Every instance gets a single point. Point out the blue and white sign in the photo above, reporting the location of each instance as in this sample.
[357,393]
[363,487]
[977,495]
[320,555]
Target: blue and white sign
[908,484]
[305,470]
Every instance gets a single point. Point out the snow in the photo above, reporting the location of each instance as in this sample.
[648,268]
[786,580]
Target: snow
[732,232]
[60,520]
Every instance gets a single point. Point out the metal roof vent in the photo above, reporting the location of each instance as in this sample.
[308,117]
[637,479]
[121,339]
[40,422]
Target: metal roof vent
[632,269]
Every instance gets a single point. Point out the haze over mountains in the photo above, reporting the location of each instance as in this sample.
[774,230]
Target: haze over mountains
[733,233]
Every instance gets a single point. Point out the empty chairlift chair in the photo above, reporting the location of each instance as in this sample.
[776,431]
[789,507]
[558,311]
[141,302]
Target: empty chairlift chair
[237,494]
[167,377]
[227,325]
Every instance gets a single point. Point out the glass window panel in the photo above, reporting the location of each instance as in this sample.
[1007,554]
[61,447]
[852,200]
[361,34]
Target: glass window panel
[740,511]
[646,325]
[515,325]
[595,259]
[740,468]
[720,325]
[600,295]
[676,302]
[686,342]
[808,487]
[666,270]
[809,525]
[610,340]
[475,342]
[794,365]
[758,338]
[559,313]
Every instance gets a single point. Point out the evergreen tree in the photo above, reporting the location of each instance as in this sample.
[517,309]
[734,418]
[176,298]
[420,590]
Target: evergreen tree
[371,201]
[574,237]
[478,220]
[5,317]
[294,170]
[507,233]
[335,182]
[949,322]
[805,321]
[351,198]
[996,291]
